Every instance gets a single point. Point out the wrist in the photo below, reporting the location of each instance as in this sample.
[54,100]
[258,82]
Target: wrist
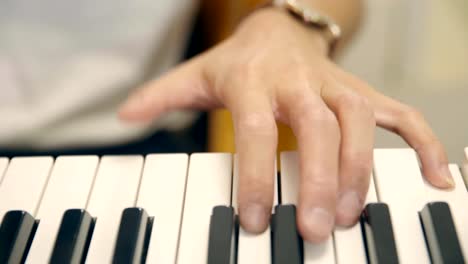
[271,20]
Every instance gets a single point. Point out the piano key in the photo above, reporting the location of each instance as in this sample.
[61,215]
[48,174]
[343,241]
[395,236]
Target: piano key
[161,193]
[3,166]
[16,232]
[133,229]
[115,189]
[72,241]
[349,243]
[252,248]
[378,230]
[221,235]
[69,187]
[208,185]
[464,169]
[466,154]
[441,235]
[313,253]
[457,199]
[400,185]
[371,192]
[287,243]
[23,184]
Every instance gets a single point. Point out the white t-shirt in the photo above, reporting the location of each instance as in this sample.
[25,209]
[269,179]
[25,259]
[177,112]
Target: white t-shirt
[65,66]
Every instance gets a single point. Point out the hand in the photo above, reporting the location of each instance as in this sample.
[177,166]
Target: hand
[275,69]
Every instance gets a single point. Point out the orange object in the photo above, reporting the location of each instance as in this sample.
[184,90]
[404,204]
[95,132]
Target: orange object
[220,130]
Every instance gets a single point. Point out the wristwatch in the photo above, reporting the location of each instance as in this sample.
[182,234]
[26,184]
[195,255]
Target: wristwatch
[311,18]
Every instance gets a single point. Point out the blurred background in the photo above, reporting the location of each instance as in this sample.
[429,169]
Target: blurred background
[417,52]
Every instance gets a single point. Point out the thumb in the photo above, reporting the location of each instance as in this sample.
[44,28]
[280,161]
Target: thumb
[184,87]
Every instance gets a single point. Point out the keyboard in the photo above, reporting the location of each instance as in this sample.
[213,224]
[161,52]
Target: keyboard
[176,208]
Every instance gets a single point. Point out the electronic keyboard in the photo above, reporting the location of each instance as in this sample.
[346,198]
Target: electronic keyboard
[176,208]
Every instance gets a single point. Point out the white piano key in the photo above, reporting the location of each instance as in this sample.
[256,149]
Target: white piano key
[115,189]
[399,183]
[349,243]
[457,195]
[372,193]
[161,194]
[69,187]
[313,253]
[23,184]
[464,169]
[208,185]
[3,166]
[457,199]
[252,248]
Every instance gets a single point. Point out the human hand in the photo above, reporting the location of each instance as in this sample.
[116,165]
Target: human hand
[275,69]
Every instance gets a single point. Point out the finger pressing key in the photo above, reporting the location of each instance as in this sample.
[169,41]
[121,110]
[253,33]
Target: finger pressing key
[357,126]
[318,135]
[256,140]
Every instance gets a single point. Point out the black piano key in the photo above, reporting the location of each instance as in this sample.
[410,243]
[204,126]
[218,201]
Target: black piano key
[287,244]
[131,239]
[16,233]
[236,237]
[441,235]
[72,242]
[221,238]
[378,234]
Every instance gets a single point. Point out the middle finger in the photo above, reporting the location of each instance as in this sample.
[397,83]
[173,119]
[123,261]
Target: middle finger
[357,126]
[318,135]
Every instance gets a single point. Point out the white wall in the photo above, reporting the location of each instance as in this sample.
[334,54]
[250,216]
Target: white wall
[417,51]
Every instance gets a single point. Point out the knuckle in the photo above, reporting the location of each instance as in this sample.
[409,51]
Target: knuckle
[359,161]
[308,109]
[246,69]
[411,116]
[300,99]
[323,116]
[257,122]
[436,144]
[319,116]
[407,120]
[295,68]
[320,178]
[354,102]
[432,144]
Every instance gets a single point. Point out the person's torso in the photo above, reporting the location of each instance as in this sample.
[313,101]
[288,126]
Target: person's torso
[66,65]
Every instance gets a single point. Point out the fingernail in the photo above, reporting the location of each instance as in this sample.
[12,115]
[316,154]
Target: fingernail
[255,217]
[349,207]
[319,222]
[447,176]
